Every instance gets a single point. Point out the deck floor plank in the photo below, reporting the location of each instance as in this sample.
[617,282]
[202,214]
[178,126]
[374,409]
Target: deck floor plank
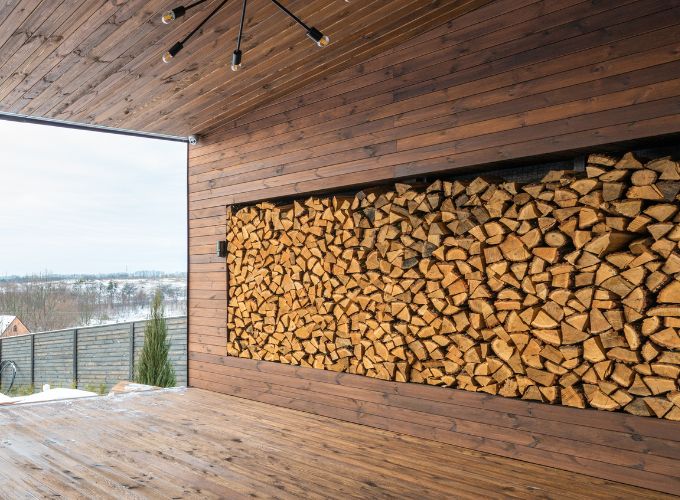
[190,443]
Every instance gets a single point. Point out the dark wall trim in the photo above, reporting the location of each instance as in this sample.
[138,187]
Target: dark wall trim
[12,117]
[188,261]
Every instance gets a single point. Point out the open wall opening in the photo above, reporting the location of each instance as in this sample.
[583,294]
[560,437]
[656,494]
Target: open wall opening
[93,224]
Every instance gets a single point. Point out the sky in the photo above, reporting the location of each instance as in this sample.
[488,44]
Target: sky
[82,202]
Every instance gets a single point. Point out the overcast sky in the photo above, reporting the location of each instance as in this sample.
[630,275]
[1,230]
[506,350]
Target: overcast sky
[76,201]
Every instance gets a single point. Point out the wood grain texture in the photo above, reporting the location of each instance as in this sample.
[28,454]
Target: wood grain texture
[97,62]
[556,79]
[609,446]
[507,81]
[510,80]
[563,290]
[175,444]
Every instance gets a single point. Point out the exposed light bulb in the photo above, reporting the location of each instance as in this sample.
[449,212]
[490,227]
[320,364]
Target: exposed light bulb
[320,39]
[168,16]
[236,60]
[174,50]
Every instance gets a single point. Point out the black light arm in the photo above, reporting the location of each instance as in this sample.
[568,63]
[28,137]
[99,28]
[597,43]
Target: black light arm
[236,58]
[313,33]
[174,50]
[296,18]
[169,16]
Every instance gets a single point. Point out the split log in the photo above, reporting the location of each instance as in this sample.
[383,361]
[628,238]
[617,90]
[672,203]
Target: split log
[564,291]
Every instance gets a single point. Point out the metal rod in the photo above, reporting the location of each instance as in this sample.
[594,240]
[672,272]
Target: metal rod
[13,117]
[240,29]
[189,269]
[204,21]
[296,18]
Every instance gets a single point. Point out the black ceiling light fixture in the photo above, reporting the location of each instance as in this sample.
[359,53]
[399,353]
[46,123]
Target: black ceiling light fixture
[313,33]
[170,15]
[236,57]
[236,62]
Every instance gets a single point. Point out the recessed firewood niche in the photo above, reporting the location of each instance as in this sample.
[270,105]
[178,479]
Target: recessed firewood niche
[565,291]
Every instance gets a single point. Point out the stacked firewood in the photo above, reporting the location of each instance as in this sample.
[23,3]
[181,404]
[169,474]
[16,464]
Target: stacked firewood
[565,291]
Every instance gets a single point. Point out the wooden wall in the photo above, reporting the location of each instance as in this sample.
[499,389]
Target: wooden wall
[612,446]
[511,80]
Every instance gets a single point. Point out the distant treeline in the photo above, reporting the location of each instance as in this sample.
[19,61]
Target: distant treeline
[49,303]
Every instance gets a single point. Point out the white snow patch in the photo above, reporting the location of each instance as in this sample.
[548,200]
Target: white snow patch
[48,395]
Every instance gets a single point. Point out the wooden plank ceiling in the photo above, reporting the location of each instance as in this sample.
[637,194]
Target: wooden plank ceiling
[99,62]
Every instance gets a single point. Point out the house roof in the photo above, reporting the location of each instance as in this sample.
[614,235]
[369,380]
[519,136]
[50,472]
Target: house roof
[5,321]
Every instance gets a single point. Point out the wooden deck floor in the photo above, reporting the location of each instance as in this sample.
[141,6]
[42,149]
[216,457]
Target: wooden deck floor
[195,443]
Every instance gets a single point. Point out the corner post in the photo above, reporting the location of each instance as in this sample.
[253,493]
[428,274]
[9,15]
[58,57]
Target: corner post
[131,363]
[33,359]
[75,356]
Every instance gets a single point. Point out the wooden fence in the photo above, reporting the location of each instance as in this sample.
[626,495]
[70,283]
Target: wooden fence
[93,356]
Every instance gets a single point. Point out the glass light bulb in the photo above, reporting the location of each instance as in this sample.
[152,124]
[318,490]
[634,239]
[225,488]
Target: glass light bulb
[323,41]
[167,57]
[236,67]
[168,17]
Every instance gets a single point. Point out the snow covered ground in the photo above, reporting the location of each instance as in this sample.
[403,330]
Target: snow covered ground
[47,303]
[47,394]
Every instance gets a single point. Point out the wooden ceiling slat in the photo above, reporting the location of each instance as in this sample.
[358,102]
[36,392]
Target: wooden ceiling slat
[6,9]
[265,68]
[123,45]
[215,47]
[46,57]
[259,125]
[268,61]
[15,17]
[466,95]
[85,57]
[98,62]
[161,76]
[71,62]
[397,30]
[240,123]
[131,65]
[61,62]
[289,80]
[35,28]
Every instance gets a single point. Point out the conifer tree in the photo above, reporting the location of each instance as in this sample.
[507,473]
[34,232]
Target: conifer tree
[154,367]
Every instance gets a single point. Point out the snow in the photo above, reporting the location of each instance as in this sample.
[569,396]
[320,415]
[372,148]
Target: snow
[137,314]
[47,395]
[5,321]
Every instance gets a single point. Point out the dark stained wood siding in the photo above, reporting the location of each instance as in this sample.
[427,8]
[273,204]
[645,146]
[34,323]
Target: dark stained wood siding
[544,77]
[615,446]
[511,80]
